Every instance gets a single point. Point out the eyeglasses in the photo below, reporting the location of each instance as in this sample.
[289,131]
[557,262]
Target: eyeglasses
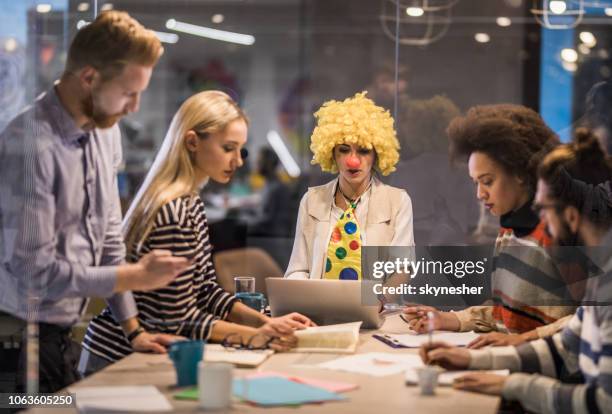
[255,342]
[538,207]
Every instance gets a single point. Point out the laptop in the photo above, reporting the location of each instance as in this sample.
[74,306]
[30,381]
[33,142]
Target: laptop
[326,302]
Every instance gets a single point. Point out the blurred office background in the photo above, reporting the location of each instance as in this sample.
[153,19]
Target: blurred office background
[447,55]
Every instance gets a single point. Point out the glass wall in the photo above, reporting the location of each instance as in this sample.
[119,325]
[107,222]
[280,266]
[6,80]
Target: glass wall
[425,61]
[448,55]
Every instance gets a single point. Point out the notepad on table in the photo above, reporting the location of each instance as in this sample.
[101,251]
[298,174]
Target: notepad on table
[332,386]
[378,364]
[239,357]
[448,377]
[341,338]
[272,391]
[414,340]
[141,398]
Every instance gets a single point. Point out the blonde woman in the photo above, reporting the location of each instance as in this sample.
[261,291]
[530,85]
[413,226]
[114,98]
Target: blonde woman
[204,142]
[355,139]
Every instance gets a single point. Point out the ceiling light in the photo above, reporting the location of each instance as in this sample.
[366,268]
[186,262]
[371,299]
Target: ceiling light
[217,18]
[242,39]
[278,145]
[107,6]
[569,55]
[503,21]
[10,45]
[167,37]
[83,7]
[608,11]
[557,6]
[482,37]
[584,49]
[43,8]
[588,39]
[415,11]
[570,66]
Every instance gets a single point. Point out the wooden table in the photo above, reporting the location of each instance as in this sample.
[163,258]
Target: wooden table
[382,395]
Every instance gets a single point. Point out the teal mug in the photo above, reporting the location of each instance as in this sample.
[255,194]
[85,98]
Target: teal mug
[186,355]
[253,300]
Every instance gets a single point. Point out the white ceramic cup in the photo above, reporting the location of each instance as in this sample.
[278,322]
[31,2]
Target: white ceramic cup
[428,379]
[215,385]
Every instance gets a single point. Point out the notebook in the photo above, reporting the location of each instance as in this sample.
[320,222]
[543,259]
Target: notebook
[341,338]
[333,386]
[414,340]
[447,377]
[272,391]
[133,398]
[377,364]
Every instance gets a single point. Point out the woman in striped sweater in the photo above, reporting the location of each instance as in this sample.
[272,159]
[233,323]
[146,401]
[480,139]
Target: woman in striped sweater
[503,144]
[574,211]
[204,141]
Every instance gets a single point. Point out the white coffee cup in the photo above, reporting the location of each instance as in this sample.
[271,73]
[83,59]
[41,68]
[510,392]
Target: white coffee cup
[215,385]
[428,379]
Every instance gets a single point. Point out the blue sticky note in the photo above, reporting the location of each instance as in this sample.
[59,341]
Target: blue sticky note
[280,391]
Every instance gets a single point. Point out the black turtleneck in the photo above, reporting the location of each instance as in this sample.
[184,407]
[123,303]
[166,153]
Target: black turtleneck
[522,221]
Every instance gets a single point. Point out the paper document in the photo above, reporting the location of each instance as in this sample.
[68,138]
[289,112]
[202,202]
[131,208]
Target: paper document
[332,386]
[378,364]
[274,391]
[137,398]
[414,340]
[239,357]
[447,377]
[341,338]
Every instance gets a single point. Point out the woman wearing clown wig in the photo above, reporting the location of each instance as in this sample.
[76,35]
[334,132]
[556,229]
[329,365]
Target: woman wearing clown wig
[353,138]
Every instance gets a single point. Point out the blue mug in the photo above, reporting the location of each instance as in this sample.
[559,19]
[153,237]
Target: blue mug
[186,355]
[253,300]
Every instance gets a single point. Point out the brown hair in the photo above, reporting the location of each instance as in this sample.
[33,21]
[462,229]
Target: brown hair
[514,136]
[110,42]
[583,159]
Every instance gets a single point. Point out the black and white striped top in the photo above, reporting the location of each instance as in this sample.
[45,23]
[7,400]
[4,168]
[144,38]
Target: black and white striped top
[190,304]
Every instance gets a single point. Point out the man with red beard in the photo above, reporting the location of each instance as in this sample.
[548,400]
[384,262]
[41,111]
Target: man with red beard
[60,218]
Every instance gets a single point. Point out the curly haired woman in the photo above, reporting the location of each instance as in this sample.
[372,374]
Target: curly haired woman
[355,139]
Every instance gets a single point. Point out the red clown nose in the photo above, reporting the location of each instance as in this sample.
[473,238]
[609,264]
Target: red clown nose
[353,162]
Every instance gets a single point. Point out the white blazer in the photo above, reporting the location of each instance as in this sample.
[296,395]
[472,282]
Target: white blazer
[388,223]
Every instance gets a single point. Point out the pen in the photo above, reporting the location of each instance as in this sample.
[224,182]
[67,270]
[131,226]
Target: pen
[430,326]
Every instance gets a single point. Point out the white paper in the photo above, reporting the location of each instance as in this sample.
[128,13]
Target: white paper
[240,357]
[378,364]
[414,340]
[141,398]
[447,377]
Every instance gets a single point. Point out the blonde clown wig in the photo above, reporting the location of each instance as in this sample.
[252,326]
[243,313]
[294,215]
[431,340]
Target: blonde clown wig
[358,121]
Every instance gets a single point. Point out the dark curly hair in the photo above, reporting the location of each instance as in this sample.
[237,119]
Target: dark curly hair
[583,160]
[514,136]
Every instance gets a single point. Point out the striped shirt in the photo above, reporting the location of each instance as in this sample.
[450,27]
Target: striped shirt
[527,284]
[190,305]
[584,346]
